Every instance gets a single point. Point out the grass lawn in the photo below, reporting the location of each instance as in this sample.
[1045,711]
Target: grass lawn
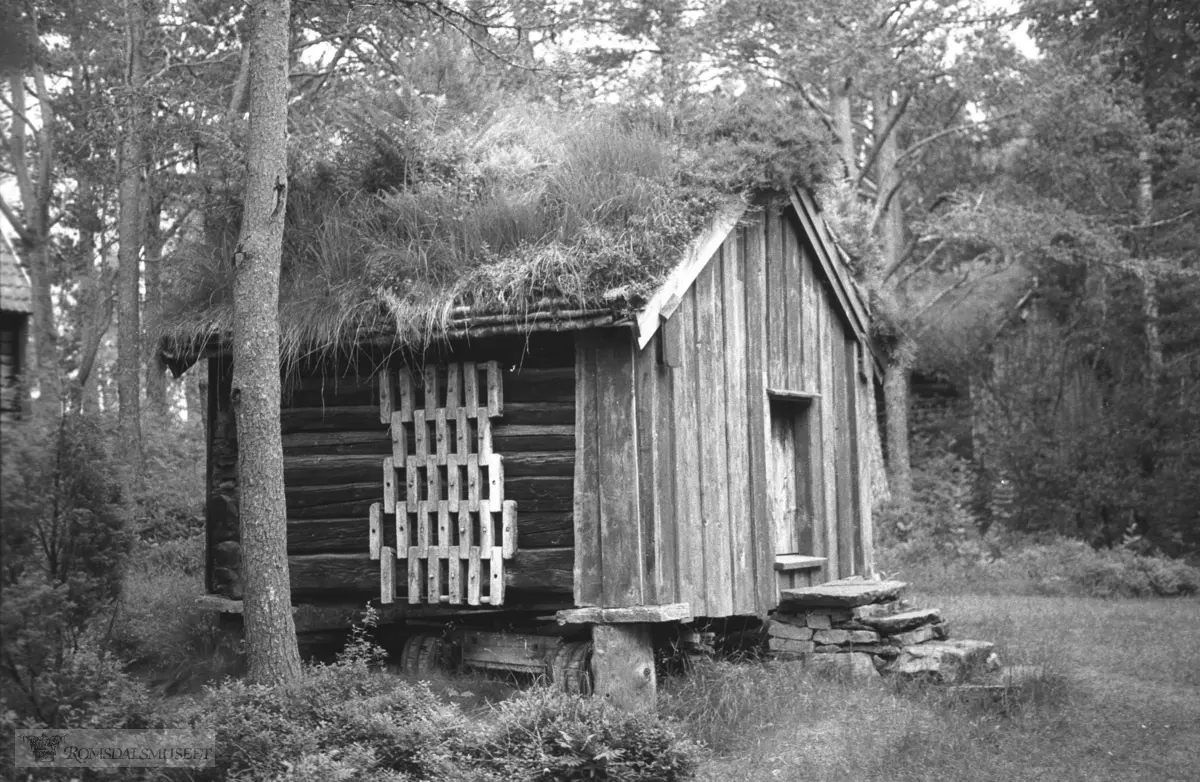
[1121,702]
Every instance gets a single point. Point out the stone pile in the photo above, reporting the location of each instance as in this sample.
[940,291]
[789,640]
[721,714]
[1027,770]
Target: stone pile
[865,628]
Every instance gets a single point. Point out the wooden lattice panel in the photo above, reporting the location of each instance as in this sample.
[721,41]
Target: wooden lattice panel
[444,485]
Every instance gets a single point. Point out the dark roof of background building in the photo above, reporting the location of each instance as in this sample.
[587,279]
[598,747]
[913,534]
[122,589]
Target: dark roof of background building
[15,295]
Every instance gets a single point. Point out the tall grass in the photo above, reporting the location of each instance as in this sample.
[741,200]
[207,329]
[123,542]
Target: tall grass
[497,213]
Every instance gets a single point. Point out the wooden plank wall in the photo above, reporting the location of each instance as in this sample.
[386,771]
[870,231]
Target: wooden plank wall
[334,446]
[759,316]
[12,338]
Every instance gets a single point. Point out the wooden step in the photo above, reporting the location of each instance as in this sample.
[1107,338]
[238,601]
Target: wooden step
[785,563]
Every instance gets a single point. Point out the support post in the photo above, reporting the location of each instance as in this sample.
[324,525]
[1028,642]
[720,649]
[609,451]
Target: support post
[623,666]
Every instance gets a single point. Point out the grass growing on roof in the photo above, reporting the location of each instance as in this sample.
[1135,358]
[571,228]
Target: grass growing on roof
[495,213]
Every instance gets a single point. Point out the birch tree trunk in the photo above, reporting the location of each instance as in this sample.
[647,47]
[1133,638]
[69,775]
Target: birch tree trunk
[270,631]
[129,233]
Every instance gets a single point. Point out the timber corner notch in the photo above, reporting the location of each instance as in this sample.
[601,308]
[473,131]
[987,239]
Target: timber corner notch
[571,486]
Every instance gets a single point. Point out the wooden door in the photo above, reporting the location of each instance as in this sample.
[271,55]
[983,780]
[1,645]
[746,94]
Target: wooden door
[789,483]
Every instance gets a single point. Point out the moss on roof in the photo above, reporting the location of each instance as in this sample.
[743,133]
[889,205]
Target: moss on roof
[420,217]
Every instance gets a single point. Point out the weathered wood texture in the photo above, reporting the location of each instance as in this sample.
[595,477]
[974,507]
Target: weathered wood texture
[623,666]
[334,445]
[760,315]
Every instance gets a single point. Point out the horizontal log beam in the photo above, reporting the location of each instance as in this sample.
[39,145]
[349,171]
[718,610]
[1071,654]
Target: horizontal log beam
[549,570]
[673,612]
[553,529]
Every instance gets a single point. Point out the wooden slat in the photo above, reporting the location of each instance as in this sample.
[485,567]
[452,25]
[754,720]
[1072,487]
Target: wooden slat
[483,445]
[433,577]
[864,421]
[414,575]
[793,296]
[830,262]
[470,388]
[433,482]
[508,528]
[777,316]
[828,456]
[620,522]
[646,395]
[389,485]
[453,485]
[495,390]
[666,554]
[385,396]
[688,512]
[496,483]
[422,522]
[432,388]
[412,482]
[758,413]
[809,338]
[376,530]
[399,434]
[586,501]
[454,585]
[453,386]
[496,587]
[463,435]
[714,453]
[464,534]
[403,537]
[741,521]
[851,551]
[474,574]
[406,392]
[387,575]
[420,434]
[442,434]
[473,481]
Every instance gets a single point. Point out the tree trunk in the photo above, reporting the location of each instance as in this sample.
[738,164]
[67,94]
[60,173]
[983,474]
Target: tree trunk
[129,230]
[891,226]
[156,378]
[270,631]
[843,126]
[1150,325]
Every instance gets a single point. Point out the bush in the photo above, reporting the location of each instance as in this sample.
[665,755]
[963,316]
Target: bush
[544,736]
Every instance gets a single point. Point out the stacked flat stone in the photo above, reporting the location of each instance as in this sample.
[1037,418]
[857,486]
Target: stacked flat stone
[866,628]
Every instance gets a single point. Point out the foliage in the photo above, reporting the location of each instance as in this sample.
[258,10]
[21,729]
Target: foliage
[63,540]
[542,735]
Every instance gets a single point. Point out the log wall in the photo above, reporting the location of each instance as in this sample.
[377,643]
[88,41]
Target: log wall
[683,515]
[334,446]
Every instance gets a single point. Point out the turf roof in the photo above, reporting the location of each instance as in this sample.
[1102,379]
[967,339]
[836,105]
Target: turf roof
[409,230]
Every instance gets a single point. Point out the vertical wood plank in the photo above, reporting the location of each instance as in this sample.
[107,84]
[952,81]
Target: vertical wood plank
[737,434]
[403,539]
[496,573]
[407,393]
[414,576]
[473,577]
[845,522]
[387,575]
[376,529]
[464,432]
[508,528]
[646,393]
[810,336]
[442,434]
[688,512]
[666,551]
[420,434]
[714,451]
[432,389]
[433,483]
[385,396]
[758,419]
[620,521]
[587,475]
[473,479]
[464,534]
[453,386]
[453,486]
[854,484]
[484,438]
[399,439]
[412,482]
[495,390]
[470,388]
[792,276]
[389,485]
[423,511]
[777,316]
[433,575]
[828,436]
[454,577]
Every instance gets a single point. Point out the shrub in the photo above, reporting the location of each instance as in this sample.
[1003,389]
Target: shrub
[544,736]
